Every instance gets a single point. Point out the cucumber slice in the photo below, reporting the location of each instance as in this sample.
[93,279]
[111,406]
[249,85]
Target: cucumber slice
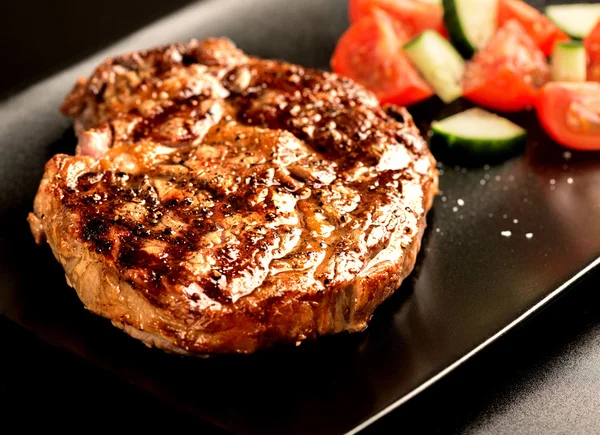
[576,20]
[569,62]
[477,136]
[470,23]
[438,62]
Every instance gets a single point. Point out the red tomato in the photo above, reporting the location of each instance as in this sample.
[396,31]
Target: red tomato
[539,27]
[570,113]
[592,47]
[505,75]
[370,52]
[414,15]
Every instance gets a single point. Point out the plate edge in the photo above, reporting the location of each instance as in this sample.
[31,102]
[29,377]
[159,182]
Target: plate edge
[546,300]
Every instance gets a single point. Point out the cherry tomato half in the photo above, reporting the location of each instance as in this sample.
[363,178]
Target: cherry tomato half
[570,113]
[414,15]
[539,27]
[506,74]
[370,52]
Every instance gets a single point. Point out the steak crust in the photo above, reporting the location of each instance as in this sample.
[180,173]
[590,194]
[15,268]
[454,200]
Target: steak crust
[221,203]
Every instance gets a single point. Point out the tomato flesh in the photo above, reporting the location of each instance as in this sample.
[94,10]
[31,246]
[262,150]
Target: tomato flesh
[592,48]
[414,15]
[539,27]
[506,74]
[370,52]
[570,113]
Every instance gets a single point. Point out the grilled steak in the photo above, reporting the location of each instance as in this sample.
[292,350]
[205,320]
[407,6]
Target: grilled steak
[221,203]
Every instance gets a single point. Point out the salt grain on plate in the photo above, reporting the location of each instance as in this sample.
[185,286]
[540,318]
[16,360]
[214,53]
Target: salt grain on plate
[491,215]
[460,202]
[498,178]
[529,235]
[567,155]
[570,180]
[482,182]
[515,221]
[454,209]
[506,233]
[552,181]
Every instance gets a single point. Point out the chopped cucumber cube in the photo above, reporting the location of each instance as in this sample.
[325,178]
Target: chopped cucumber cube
[470,23]
[476,135]
[569,62]
[438,62]
[576,20]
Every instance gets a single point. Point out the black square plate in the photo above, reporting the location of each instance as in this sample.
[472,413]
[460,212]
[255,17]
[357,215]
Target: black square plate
[471,283]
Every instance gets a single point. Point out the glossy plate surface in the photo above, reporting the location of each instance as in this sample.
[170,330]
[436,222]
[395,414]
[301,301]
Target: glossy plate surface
[471,283]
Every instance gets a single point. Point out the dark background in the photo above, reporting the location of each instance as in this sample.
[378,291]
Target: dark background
[531,381]
[534,380]
[38,38]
